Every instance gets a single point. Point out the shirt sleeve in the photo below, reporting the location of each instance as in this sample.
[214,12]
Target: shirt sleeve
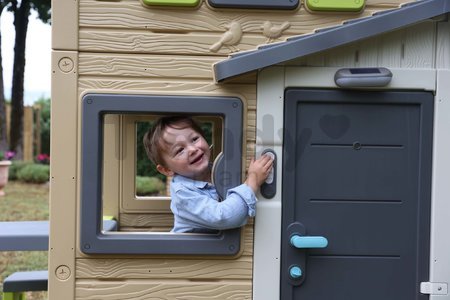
[204,211]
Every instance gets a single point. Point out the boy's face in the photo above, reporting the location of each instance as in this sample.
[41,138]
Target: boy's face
[185,152]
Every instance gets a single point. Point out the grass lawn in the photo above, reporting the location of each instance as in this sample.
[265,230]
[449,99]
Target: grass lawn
[24,202]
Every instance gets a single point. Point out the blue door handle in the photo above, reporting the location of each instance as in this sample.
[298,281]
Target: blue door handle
[295,272]
[308,241]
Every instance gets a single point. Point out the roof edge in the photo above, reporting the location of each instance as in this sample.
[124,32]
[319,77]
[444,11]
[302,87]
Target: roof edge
[349,32]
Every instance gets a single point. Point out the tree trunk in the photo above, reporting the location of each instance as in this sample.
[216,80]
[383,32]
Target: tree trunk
[21,26]
[3,133]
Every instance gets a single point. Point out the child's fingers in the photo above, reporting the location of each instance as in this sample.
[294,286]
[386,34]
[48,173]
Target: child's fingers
[268,165]
[267,159]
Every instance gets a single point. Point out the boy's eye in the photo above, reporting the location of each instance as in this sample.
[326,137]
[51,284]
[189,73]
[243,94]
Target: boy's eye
[179,150]
[195,138]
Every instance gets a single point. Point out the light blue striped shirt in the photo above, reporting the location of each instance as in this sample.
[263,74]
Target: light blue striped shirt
[195,205]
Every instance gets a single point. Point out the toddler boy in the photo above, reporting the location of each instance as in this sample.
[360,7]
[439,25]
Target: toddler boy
[178,148]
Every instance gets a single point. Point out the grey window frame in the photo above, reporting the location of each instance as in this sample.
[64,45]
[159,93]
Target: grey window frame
[93,240]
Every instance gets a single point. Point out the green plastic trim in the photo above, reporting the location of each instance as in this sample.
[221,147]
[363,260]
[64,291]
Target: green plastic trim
[335,5]
[190,3]
[13,296]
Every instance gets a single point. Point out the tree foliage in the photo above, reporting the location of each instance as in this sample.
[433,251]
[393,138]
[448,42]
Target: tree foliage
[44,103]
[3,133]
[21,10]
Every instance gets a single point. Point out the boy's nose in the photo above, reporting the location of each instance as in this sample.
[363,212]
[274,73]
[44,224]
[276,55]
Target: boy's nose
[192,149]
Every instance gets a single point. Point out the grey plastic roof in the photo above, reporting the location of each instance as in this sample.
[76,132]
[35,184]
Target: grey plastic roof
[351,31]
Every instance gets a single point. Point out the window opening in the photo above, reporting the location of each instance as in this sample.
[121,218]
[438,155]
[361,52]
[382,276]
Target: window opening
[109,164]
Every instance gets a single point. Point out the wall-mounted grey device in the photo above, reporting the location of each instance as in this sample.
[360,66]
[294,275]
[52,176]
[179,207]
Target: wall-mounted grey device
[362,77]
[269,187]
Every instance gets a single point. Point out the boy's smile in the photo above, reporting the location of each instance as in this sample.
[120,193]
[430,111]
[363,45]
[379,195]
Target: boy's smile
[185,153]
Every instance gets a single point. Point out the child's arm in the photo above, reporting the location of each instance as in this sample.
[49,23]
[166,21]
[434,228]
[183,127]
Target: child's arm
[258,171]
[201,211]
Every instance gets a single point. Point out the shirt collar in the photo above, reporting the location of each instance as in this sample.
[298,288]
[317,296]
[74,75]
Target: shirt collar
[190,182]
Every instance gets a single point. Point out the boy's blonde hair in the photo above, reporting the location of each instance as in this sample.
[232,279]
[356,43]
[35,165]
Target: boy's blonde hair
[153,138]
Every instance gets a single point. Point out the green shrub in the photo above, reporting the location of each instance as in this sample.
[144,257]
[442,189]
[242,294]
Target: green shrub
[16,166]
[34,173]
[45,124]
[147,186]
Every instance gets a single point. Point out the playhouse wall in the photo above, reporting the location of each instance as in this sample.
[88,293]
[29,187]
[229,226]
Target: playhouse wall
[420,46]
[122,47]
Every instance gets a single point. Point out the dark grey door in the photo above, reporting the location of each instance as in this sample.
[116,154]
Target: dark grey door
[357,171]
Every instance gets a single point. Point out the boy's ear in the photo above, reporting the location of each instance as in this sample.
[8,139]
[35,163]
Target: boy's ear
[165,171]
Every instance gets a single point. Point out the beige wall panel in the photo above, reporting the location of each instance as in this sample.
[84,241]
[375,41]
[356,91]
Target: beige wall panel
[64,25]
[132,15]
[159,289]
[443,46]
[251,126]
[419,44]
[154,229]
[164,268]
[412,47]
[146,220]
[384,3]
[63,175]
[149,220]
[316,60]
[368,52]
[390,49]
[111,167]
[342,56]
[166,86]
[146,66]
[251,104]
[247,240]
[127,41]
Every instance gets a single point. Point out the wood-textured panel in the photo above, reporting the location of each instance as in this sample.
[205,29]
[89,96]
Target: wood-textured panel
[247,92]
[162,289]
[128,27]
[146,66]
[390,49]
[165,268]
[153,229]
[368,52]
[419,44]
[150,220]
[146,220]
[121,41]
[413,47]
[131,14]
[342,56]
[443,46]
[194,43]
[247,242]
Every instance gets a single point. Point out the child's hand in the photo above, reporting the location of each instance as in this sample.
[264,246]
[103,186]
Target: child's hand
[258,171]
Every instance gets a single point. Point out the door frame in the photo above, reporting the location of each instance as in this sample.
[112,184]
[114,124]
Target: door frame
[271,86]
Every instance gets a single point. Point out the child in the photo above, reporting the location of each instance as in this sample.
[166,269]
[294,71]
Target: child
[177,147]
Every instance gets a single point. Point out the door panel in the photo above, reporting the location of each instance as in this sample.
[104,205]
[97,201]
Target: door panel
[357,170]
